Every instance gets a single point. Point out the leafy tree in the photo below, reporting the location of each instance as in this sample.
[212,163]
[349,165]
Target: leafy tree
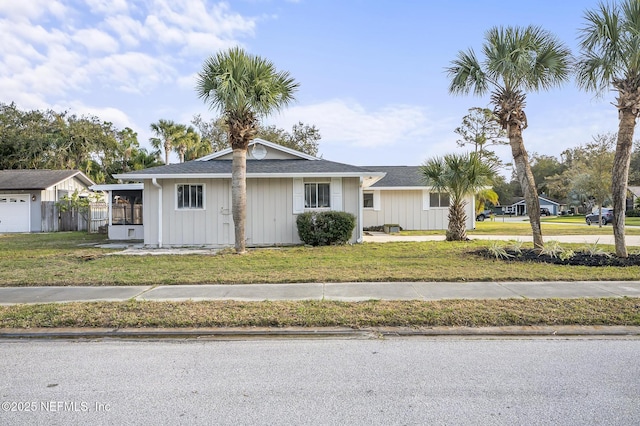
[610,58]
[303,137]
[517,60]
[544,168]
[459,175]
[214,132]
[480,129]
[243,88]
[634,166]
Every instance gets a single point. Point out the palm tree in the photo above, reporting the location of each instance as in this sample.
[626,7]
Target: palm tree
[610,57]
[243,88]
[485,196]
[167,132]
[186,142]
[517,60]
[459,175]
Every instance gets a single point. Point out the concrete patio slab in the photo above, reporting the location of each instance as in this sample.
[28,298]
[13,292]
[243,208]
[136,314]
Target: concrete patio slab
[244,292]
[469,290]
[356,292]
[62,294]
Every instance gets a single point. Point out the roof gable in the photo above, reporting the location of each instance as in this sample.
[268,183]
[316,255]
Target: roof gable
[272,151]
[39,179]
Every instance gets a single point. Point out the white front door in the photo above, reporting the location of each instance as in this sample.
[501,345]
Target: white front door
[15,213]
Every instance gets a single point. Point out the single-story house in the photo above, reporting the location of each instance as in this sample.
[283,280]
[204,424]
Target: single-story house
[125,210]
[27,197]
[519,208]
[189,203]
[402,198]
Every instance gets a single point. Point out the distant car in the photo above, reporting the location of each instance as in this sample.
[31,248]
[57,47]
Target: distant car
[607,217]
[484,214]
[544,211]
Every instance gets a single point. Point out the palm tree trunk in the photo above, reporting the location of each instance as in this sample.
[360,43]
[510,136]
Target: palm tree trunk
[457,230]
[167,151]
[620,175]
[527,183]
[239,196]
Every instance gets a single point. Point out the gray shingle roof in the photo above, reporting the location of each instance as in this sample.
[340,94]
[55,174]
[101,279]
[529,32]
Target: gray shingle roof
[36,179]
[253,167]
[397,176]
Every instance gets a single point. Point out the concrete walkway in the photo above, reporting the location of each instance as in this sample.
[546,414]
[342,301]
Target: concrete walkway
[630,240]
[351,292]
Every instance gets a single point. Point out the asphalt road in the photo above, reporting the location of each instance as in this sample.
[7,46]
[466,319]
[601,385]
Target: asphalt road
[417,381]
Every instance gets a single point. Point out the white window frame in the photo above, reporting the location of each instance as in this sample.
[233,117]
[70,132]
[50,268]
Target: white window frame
[308,206]
[204,198]
[373,200]
[426,200]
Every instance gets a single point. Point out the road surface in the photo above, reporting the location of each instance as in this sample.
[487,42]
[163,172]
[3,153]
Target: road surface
[416,381]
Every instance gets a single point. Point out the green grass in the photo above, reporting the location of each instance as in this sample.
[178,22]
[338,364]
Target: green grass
[469,313]
[550,227]
[71,259]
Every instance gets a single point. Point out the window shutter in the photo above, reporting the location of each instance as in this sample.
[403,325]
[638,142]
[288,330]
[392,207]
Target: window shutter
[298,195]
[376,200]
[336,194]
[425,199]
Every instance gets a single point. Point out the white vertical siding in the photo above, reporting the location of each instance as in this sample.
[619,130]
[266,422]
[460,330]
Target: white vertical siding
[407,209]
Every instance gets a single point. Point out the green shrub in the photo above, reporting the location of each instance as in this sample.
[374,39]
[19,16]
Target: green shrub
[325,228]
[633,213]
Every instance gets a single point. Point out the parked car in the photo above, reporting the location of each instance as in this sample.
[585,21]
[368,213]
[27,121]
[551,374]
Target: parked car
[484,214]
[607,217]
[544,211]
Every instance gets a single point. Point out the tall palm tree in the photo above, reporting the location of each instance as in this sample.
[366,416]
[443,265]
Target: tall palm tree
[459,175]
[610,57]
[243,88]
[517,60]
[167,132]
[186,142]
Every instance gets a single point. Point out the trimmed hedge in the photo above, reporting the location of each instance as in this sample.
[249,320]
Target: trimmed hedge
[325,228]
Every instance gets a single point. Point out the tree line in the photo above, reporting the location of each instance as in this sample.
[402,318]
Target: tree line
[46,139]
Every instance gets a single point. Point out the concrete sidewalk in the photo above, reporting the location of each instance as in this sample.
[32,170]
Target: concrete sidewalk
[351,292]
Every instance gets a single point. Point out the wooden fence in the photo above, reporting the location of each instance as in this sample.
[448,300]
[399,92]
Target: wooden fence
[98,217]
[55,220]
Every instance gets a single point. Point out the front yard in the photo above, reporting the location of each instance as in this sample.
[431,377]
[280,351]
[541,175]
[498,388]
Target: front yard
[73,259]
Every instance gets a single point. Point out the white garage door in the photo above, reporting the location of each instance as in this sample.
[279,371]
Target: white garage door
[14,213]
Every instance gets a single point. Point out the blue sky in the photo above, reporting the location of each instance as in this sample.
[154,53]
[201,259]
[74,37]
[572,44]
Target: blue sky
[371,73]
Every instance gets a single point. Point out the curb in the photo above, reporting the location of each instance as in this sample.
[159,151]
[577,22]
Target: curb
[322,333]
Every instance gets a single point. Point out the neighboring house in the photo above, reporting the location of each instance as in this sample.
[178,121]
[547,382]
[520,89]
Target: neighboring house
[634,195]
[189,204]
[519,207]
[125,210]
[402,198]
[27,197]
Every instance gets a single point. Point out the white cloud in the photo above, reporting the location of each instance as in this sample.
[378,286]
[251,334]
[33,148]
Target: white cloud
[30,9]
[96,41]
[348,123]
[107,6]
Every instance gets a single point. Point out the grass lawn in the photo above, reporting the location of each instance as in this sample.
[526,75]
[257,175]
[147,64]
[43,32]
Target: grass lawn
[551,227]
[468,313]
[72,259]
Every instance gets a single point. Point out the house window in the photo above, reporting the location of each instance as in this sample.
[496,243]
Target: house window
[439,199]
[190,197]
[367,197]
[316,195]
